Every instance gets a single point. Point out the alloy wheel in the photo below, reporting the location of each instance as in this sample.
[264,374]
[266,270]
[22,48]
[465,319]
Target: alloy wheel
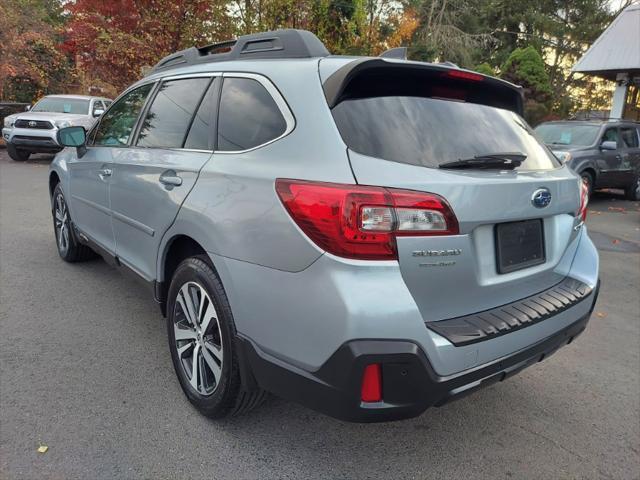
[61,220]
[198,338]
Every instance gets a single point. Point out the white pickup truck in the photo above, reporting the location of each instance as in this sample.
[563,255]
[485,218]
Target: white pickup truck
[35,131]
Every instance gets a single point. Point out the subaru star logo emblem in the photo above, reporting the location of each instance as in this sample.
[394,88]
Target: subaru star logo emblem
[32,123]
[541,198]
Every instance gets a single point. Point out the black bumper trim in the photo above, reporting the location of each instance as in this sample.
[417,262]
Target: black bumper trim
[410,385]
[488,324]
[35,143]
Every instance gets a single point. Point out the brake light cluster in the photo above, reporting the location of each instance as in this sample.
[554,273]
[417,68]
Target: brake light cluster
[584,200]
[362,222]
[464,75]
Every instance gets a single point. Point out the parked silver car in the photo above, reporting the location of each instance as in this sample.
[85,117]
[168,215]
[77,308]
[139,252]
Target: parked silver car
[366,236]
[35,131]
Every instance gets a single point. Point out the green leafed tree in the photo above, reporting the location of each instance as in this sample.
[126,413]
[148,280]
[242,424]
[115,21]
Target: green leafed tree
[485,69]
[526,68]
[31,63]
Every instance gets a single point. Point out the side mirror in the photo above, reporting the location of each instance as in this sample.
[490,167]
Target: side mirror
[97,112]
[27,108]
[608,145]
[72,136]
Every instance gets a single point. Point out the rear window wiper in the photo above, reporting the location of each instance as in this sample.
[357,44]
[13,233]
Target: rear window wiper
[500,160]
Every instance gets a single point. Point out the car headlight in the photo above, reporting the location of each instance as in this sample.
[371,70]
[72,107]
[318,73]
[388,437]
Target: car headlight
[563,156]
[64,123]
[8,122]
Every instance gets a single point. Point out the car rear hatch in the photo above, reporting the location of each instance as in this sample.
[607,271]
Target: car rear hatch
[401,122]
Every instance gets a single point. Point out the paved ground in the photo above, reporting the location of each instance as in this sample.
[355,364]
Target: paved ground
[85,369]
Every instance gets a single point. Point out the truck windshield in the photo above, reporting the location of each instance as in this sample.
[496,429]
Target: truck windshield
[428,131]
[62,105]
[567,134]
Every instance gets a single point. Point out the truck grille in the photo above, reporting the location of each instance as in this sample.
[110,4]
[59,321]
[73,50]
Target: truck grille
[38,124]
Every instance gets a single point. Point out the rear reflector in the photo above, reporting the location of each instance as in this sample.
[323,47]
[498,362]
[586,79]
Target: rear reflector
[361,222]
[584,200]
[372,383]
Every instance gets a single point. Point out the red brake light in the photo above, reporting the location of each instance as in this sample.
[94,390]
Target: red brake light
[372,383]
[474,77]
[584,200]
[363,222]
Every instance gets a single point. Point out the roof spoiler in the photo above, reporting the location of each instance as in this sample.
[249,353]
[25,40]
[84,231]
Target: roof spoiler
[288,43]
[368,77]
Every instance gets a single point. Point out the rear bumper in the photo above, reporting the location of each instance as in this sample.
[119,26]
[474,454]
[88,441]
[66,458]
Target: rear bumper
[409,383]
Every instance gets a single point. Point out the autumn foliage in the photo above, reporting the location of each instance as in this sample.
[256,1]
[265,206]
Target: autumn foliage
[101,46]
[112,40]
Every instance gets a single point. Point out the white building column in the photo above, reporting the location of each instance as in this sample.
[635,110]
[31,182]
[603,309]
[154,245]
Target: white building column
[619,95]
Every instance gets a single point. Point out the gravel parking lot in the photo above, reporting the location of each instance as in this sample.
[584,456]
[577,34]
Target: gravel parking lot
[86,371]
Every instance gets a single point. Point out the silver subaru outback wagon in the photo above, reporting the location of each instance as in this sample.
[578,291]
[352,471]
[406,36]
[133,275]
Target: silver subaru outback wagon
[368,237]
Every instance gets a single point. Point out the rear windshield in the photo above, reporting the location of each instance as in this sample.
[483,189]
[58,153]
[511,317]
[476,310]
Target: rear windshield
[430,131]
[62,105]
[567,134]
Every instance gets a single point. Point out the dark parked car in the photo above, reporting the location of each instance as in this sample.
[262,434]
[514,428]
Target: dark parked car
[605,153]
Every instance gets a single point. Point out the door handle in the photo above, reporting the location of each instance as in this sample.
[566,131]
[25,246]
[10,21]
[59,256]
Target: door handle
[170,179]
[104,172]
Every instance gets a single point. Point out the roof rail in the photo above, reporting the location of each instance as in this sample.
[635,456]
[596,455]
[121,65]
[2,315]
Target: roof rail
[287,43]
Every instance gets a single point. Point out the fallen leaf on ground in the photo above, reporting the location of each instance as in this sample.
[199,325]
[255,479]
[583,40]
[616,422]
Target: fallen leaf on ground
[615,241]
[617,209]
[601,314]
[43,449]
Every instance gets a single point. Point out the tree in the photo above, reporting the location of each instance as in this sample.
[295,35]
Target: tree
[485,69]
[30,63]
[526,68]
[448,32]
[113,40]
[560,31]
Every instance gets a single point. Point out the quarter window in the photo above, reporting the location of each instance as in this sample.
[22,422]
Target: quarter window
[248,115]
[166,123]
[629,137]
[117,124]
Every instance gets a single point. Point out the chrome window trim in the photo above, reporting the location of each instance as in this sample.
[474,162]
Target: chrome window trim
[277,97]
[183,76]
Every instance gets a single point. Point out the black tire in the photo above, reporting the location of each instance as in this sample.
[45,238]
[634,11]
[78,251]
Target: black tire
[227,397]
[632,192]
[69,249]
[17,154]
[589,180]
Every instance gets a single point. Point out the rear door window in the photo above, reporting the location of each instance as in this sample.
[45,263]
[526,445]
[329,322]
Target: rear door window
[201,133]
[167,121]
[428,131]
[629,137]
[248,116]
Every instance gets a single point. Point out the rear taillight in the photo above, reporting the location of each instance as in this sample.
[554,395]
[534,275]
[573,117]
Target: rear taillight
[363,222]
[584,200]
